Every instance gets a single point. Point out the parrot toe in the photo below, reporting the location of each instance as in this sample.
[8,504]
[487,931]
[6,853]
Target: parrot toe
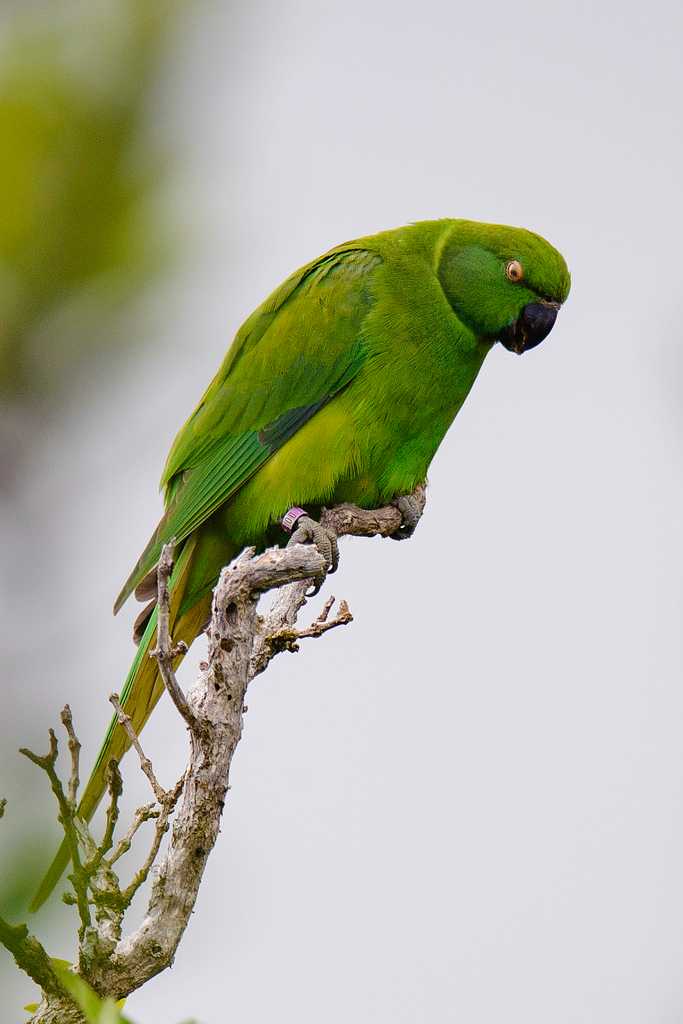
[309,531]
[411,513]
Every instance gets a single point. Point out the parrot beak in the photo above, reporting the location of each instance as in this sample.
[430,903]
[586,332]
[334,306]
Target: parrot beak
[535,323]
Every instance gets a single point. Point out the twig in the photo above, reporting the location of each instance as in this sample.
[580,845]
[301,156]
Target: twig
[322,624]
[275,635]
[75,751]
[160,829]
[167,799]
[78,878]
[115,789]
[142,814]
[145,763]
[165,651]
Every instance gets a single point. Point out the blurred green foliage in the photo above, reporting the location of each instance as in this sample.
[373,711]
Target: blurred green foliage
[82,229]
[23,862]
[95,1010]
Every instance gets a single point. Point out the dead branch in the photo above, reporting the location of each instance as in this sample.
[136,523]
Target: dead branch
[67,820]
[75,751]
[241,645]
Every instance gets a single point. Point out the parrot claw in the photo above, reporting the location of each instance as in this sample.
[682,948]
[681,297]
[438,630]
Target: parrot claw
[309,531]
[411,513]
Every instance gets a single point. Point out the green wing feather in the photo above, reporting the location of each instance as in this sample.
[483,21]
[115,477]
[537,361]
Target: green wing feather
[292,355]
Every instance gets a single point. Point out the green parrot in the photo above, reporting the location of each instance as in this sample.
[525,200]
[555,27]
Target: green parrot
[339,387]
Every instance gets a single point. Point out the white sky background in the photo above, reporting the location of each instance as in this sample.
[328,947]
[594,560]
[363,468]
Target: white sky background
[468,805]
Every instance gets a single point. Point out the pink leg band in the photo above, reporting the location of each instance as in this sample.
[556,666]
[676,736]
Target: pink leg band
[289,519]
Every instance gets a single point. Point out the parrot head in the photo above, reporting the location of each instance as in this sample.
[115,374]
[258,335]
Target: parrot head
[505,284]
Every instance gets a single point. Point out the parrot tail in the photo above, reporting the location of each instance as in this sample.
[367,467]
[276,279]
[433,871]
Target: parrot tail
[141,691]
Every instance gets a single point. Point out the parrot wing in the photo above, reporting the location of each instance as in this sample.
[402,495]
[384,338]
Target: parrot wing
[290,357]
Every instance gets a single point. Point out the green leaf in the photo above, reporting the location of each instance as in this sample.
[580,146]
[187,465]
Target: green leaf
[96,1010]
[81,171]
[82,994]
[61,964]
[109,1013]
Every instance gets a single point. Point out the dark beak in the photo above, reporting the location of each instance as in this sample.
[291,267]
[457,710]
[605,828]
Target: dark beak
[535,323]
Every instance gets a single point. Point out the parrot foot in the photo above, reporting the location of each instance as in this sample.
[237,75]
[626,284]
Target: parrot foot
[309,531]
[411,513]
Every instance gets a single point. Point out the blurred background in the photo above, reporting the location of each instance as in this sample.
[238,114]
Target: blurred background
[469,804]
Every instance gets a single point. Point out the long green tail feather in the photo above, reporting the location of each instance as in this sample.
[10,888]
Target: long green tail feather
[141,691]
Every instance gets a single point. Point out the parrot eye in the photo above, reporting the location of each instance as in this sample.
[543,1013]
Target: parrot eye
[514,271]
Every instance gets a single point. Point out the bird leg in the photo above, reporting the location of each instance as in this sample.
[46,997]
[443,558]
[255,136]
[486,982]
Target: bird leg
[411,509]
[310,531]
[307,530]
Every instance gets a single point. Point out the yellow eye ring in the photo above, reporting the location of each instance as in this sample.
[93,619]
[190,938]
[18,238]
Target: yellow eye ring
[514,271]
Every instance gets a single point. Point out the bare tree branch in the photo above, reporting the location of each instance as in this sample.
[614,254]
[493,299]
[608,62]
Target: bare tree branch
[216,703]
[241,645]
[275,634]
[75,751]
[349,520]
[145,763]
[143,814]
[115,789]
[66,816]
